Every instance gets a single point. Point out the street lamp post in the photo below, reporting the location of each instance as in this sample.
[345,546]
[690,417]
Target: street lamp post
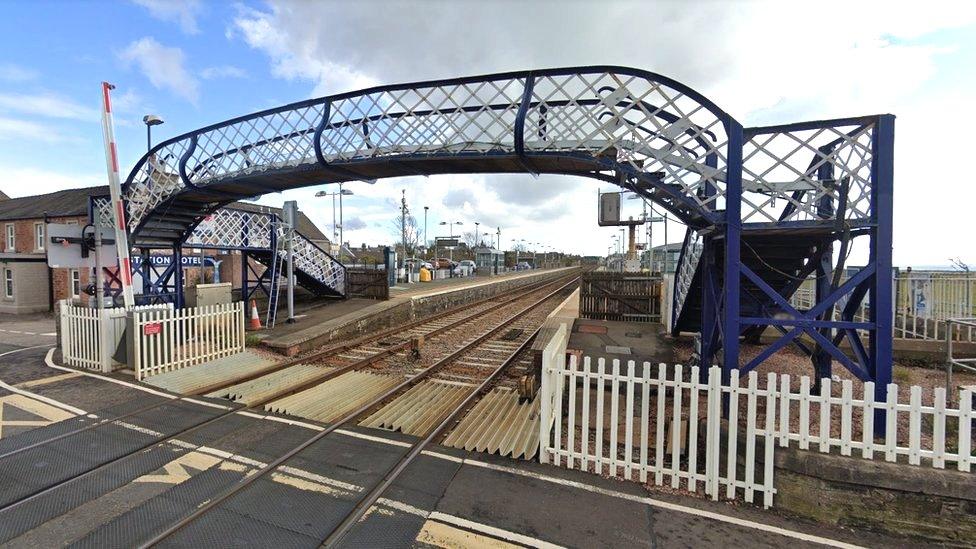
[150,120]
[451,251]
[340,193]
[425,229]
[476,225]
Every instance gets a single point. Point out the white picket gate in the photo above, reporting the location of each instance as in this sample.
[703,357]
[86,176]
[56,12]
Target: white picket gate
[89,337]
[162,341]
[626,420]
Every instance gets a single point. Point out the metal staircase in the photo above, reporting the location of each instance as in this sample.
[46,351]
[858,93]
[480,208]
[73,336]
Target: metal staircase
[254,232]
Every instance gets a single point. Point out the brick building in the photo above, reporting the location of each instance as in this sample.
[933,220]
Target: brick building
[30,286]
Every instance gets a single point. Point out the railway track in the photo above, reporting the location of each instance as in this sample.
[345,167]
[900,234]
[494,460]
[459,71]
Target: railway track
[301,373]
[503,327]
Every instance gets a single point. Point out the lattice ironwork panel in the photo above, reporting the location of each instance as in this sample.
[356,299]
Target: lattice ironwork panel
[155,181]
[649,125]
[685,272]
[231,228]
[803,175]
[461,117]
[633,120]
[315,261]
[266,142]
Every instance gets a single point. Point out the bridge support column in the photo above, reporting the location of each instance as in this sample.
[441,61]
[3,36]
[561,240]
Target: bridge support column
[733,232]
[178,277]
[144,271]
[821,358]
[711,305]
[245,292]
[881,308]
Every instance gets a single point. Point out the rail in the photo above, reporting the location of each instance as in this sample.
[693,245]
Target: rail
[348,417]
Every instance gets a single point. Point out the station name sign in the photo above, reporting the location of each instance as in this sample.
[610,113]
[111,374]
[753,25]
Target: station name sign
[167,260]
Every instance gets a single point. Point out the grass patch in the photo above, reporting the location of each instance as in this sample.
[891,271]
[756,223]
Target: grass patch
[901,375]
[252,340]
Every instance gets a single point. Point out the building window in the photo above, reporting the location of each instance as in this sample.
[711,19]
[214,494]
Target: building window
[39,237]
[8,283]
[10,237]
[75,283]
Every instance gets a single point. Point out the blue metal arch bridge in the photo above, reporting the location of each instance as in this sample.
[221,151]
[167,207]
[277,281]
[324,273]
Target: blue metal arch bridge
[768,209]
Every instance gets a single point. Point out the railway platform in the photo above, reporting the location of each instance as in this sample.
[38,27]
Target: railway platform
[355,316]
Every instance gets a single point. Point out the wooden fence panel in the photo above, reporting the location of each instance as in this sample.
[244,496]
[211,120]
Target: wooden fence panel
[368,283]
[621,296]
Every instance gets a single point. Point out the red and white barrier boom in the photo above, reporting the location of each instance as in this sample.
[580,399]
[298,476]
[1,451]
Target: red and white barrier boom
[115,188]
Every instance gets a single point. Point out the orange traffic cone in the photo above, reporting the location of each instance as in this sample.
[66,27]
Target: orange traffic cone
[255,319]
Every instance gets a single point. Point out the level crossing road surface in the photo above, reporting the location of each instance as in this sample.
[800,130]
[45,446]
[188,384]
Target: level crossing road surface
[118,486]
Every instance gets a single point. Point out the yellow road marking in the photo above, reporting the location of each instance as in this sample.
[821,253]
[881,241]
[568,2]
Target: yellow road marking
[46,380]
[175,472]
[49,413]
[439,534]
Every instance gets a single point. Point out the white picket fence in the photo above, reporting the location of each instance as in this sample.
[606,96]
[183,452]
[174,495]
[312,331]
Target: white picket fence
[169,340]
[89,338]
[665,413]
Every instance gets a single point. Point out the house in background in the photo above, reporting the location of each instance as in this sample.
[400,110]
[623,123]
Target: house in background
[30,286]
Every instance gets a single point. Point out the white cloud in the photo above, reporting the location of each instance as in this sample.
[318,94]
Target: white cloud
[12,129]
[183,12]
[19,181]
[262,31]
[164,67]
[47,105]
[15,73]
[764,63]
[223,71]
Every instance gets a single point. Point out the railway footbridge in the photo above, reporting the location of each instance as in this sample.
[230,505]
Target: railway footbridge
[765,207]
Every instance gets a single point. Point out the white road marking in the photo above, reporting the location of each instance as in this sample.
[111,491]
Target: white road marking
[50,363]
[621,495]
[46,400]
[204,403]
[48,334]
[282,420]
[491,531]
[666,505]
[511,470]
[371,438]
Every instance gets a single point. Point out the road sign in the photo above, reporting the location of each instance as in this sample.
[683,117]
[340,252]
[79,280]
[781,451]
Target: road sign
[64,247]
[152,328]
[446,242]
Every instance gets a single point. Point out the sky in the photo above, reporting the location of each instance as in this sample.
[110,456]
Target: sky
[195,63]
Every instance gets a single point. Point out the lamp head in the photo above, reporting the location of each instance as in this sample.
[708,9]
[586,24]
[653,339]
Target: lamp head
[152,120]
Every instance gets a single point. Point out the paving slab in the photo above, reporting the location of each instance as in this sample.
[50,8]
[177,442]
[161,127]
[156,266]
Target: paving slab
[637,341]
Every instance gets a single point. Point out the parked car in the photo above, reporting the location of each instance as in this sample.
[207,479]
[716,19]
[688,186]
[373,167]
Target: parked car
[443,263]
[469,264]
[415,264]
[523,266]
